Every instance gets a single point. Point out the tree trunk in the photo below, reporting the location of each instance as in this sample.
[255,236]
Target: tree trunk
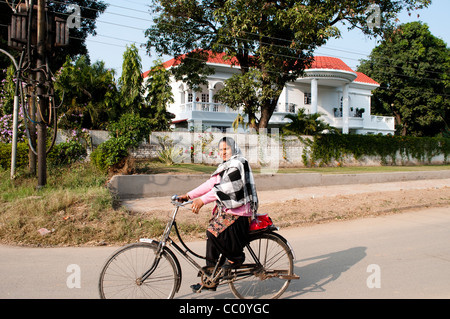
[266,113]
[399,122]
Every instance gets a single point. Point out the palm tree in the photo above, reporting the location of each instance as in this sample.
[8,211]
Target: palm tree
[306,124]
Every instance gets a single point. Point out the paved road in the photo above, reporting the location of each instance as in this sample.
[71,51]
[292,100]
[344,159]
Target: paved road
[399,256]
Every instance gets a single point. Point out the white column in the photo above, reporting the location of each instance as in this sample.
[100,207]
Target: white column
[211,99]
[286,99]
[345,109]
[194,100]
[314,96]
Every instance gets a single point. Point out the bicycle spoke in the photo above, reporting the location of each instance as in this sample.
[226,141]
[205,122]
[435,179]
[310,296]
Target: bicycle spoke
[120,277]
[263,279]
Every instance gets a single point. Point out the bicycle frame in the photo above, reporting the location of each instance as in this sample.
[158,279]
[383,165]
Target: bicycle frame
[186,251]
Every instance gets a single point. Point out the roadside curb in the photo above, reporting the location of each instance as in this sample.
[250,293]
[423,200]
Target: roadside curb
[144,186]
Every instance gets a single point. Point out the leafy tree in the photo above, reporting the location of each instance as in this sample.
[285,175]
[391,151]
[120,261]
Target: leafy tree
[306,124]
[158,95]
[131,80]
[243,85]
[87,92]
[276,38]
[412,67]
[149,99]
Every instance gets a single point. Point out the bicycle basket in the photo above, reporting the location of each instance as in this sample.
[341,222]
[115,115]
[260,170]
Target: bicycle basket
[261,222]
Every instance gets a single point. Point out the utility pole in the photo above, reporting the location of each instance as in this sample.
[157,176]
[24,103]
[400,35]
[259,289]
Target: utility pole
[41,105]
[37,35]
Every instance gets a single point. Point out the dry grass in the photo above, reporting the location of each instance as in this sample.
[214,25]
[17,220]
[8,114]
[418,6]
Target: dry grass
[75,207]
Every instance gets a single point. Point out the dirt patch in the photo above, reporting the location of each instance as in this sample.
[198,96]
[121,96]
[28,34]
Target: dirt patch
[324,209]
[297,212]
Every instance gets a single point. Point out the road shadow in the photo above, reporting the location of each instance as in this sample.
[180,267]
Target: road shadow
[314,276]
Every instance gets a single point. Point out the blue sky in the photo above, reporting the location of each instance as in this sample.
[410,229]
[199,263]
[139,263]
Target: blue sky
[124,23]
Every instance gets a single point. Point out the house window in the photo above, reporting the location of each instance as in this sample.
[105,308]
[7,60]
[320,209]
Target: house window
[205,98]
[190,97]
[307,98]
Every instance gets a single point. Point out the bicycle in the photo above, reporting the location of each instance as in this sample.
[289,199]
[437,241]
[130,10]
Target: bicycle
[150,269]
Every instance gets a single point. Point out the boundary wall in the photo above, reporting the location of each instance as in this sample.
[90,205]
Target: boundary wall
[138,186]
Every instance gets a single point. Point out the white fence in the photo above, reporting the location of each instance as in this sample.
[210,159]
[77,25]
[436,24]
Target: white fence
[269,152]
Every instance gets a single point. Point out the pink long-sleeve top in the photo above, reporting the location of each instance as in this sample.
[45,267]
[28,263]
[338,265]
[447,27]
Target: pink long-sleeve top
[206,193]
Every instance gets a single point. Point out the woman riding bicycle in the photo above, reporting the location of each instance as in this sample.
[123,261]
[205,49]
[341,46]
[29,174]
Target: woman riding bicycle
[232,187]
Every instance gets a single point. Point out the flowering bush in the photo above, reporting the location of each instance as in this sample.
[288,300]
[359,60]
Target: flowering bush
[6,128]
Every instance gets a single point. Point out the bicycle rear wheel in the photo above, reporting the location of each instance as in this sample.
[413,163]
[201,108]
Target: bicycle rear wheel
[120,276]
[268,280]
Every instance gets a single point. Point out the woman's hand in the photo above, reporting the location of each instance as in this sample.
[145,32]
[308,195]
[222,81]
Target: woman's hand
[196,205]
[183,198]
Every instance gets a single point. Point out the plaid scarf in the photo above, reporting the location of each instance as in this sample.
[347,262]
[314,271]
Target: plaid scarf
[237,186]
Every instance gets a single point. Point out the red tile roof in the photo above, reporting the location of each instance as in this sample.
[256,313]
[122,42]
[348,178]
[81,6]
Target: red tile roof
[325,62]
[320,62]
[218,58]
[362,78]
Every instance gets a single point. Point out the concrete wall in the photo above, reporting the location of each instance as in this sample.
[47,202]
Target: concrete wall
[136,186]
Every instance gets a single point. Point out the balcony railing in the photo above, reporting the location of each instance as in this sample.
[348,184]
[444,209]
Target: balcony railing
[206,107]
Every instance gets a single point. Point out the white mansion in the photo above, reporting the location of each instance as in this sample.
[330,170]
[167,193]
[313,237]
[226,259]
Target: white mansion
[329,87]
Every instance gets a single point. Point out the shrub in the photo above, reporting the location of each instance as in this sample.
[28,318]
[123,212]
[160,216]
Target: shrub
[21,155]
[110,152]
[66,153]
[133,128]
[127,133]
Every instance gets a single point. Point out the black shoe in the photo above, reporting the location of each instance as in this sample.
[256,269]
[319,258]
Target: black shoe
[197,287]
[207,270]
[228,265]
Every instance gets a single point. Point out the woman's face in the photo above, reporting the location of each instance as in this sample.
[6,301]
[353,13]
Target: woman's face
[225,151]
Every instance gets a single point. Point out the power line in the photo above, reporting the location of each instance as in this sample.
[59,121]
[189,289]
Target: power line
[224,45]
[238,38]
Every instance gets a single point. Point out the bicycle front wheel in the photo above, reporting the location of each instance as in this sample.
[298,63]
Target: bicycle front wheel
[121,275]
[269,261]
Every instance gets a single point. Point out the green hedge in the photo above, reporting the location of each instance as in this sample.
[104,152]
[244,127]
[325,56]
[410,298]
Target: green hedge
[61,154]
[325,149]
[21,155]
[66,153]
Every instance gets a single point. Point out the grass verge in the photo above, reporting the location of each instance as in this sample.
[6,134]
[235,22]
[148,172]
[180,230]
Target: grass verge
[75,208]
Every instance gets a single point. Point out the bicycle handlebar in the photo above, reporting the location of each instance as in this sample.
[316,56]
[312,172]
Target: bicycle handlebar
[175,202]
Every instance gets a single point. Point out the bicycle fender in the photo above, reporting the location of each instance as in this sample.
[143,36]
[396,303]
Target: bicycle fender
[287,243]
[280,237]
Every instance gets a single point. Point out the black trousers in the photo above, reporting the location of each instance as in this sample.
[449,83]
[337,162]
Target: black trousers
[230,242]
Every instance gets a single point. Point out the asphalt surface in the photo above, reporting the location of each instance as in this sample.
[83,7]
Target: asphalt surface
[404,255]
[398,256]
